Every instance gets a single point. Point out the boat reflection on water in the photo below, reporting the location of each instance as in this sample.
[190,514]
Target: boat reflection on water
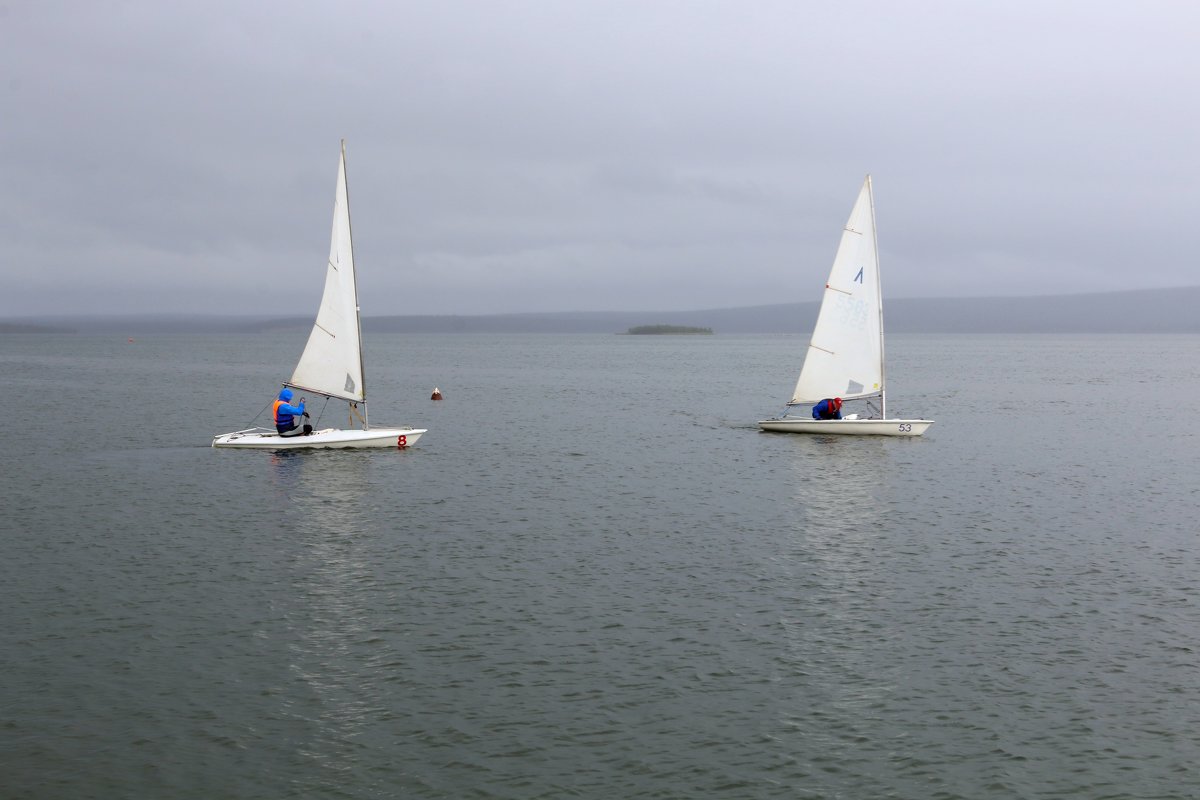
[286,468]
[841,559]
[331,565]
[839,548]
[842,484]
[322,487]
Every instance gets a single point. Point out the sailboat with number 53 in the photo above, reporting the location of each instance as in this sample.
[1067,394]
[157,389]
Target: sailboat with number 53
[844,361]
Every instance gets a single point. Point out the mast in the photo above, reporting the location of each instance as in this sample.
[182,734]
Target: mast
[357,310]
[879,295]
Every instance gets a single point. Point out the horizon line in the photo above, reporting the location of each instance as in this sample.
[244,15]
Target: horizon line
[306,314]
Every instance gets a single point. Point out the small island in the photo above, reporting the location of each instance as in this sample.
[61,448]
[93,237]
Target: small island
[667,330]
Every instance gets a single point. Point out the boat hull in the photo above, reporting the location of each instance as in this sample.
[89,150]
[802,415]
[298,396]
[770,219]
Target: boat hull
[327,438]
[847,427]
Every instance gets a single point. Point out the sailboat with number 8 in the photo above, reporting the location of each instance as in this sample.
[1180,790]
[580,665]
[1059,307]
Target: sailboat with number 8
[332,362]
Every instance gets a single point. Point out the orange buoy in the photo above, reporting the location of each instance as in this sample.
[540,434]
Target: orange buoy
[437,394]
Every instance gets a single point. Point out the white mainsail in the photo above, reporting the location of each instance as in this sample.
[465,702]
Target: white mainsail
[845,354]
[332,360]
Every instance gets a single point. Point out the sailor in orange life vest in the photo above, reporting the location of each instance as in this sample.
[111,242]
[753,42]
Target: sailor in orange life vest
[828,409]
[285,414]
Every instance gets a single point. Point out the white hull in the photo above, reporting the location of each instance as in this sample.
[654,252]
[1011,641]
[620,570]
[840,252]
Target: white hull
[328,438]
[848,427]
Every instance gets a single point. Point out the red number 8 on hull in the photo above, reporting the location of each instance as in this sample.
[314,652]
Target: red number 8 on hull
[401,441]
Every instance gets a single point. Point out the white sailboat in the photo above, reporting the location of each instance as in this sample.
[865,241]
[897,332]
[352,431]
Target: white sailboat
[845,354]
[332,363]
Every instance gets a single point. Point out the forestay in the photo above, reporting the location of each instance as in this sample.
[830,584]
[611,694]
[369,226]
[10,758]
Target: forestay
[845,354]
[332,360]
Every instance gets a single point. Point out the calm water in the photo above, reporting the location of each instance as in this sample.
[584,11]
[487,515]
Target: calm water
[594,577]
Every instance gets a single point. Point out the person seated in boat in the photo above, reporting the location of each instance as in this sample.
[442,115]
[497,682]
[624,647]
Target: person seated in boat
[285,414]
[829,408]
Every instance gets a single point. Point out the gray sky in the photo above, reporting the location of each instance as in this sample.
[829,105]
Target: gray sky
[557,155]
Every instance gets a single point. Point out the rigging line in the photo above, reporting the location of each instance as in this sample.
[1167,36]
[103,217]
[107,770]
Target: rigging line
[260,413]
[322,327]
[318,422]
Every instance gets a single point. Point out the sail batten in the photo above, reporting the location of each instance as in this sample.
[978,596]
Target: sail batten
[331,363]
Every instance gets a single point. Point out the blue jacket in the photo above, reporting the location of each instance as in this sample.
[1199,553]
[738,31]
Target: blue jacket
[825,410]
[285,413]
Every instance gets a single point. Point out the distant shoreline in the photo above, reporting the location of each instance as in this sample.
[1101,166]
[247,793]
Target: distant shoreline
[26,327]
[1138,311]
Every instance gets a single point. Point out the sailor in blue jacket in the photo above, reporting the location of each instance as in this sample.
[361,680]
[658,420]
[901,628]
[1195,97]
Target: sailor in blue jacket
[285,414]
[828,409]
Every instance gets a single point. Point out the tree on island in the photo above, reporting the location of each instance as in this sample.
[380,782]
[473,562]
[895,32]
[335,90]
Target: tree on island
[658,330]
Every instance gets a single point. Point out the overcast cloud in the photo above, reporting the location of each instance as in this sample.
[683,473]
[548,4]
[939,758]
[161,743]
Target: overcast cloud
[575,155]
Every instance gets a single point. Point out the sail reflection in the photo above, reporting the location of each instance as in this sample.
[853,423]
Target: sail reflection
[841,560]
[323,488]
[842,484]
[332,566]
